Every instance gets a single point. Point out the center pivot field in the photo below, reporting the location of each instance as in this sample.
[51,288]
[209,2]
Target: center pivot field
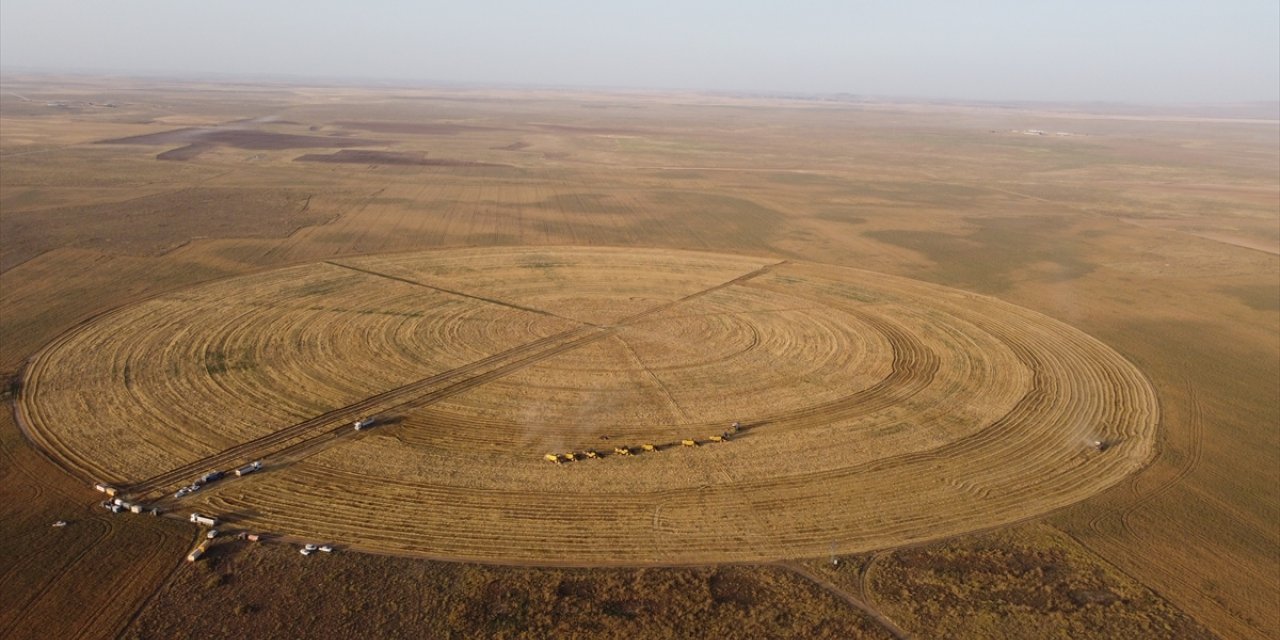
[871,410]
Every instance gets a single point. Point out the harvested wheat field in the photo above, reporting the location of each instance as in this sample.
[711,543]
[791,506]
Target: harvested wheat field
[574,406]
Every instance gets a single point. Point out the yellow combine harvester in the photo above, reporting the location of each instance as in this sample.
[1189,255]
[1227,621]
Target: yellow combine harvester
[591,454]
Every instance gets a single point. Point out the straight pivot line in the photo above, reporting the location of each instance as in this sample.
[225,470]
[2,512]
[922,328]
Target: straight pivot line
[304,448]
[698,294]
[418,393]
[431,397]
[452,292]
[506,362]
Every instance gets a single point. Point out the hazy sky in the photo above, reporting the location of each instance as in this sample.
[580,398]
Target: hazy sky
[1148,51]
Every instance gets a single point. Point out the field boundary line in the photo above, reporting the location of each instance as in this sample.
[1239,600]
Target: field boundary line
[849,598]
[373,404]
[142,605]
[390,400]
[1195,422]
[307,446]
[632,319]
[37,594]
[452,292]
[661,385]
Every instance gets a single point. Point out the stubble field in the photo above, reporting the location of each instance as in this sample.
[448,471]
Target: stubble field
[875,410]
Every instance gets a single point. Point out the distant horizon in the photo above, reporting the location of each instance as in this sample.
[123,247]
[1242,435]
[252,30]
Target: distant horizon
[1135,52]
[295,80]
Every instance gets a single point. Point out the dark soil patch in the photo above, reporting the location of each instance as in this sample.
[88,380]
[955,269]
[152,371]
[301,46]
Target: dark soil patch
[155,223]
[266,140]
[1261,297]
[184,153]
[174,136]
[367,156]
[576,589]
[631,609]
[239,138]
[414,128]
[734,586]
[266,120]
[837,215]
[998,253]
[574,128]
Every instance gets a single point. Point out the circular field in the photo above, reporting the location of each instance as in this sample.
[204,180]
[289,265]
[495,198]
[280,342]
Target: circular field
[875,410]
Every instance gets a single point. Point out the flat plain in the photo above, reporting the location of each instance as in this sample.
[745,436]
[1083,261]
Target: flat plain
[202,274]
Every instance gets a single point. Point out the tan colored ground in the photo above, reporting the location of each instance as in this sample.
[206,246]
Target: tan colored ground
[1157,237]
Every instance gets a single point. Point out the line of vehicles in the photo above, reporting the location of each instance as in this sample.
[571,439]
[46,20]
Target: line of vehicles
[120,505]
[214,532]
[117,504]
[591,454]
[214,476]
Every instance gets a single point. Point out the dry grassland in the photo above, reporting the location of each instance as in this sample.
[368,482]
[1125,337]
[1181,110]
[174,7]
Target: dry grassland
[447,600]
[1027,581]
[1156,236]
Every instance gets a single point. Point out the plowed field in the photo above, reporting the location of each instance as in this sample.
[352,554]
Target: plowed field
[875,410]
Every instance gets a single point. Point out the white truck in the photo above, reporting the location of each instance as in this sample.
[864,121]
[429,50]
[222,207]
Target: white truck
[208,521]
[362,424]
[249,468]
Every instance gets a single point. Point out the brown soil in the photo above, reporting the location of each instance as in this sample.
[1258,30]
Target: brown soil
[235,592]
[1026,582]
[154,223]
[82,580]
[366,156]
[185,153]
[587,129]
[414,128]
[240,139]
